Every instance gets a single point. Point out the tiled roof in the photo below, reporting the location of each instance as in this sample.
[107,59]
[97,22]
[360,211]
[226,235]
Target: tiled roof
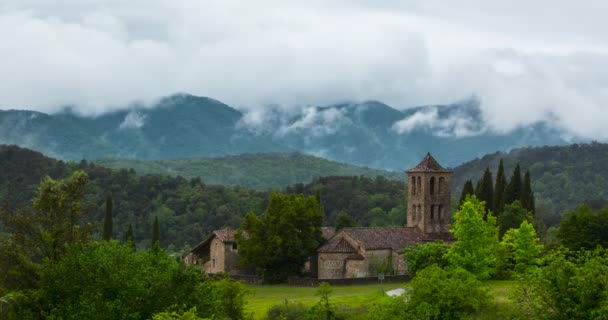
[428,164]
[395,238]
[328,232]
[225,235]
[337,245]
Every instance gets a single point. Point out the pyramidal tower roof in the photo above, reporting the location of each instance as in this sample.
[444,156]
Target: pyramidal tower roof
[428,164]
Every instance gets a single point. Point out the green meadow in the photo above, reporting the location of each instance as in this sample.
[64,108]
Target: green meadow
[262,297]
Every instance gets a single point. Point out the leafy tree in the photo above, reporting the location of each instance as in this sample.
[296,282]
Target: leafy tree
[155,232]
[505,262]
[447,294]
[231,299]
[279,242]
[526,248]
[499,189]
[344,220]
[42,232]
[177,315]
[476,239]
[527,195]
[107,280]
[423,255]
[323,310]
[512,217]
[107,222]
[466,191]
[584,229]
[485,190]
[513,191]
[566,286]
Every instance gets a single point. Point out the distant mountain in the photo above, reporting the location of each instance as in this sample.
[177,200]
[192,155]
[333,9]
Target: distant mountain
[257,171]
[183,126]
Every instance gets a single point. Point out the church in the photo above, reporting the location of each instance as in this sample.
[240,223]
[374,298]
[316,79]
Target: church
[360,251]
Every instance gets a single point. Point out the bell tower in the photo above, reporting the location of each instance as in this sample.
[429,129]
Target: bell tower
[429,196]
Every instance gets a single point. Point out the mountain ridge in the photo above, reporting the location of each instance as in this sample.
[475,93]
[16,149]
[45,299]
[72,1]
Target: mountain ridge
[369,133]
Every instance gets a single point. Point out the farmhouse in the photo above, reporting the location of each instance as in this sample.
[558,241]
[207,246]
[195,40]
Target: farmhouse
[358,252]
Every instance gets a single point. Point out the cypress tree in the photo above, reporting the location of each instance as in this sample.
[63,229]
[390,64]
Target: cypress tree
[527,196]
[467,189]
[107,222]
[129,235]
[513,190]
[155,232]
[499,189]
[485,190]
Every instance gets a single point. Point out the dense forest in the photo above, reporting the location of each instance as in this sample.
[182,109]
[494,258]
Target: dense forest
[562,177]
[188,209]
[257,171]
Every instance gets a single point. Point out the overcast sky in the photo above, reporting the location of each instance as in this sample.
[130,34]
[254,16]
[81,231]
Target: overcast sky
[526,61]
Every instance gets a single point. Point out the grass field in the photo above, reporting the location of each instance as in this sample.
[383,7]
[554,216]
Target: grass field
[263,297]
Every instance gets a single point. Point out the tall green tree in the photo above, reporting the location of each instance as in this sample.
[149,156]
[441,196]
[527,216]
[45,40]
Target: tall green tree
[423,255]
[279,242]
[584,229]
[526,247]
[57,218]
[499,189]
[344,220]
[514,188]
[527,195]
[512,217]
[485,190]
[155,232]
[129,235]
[467,190]
[107,221]
[476,239]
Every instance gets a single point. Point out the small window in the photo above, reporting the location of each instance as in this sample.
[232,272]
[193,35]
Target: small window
[213,263]
[433,185]
[234,246]
[413,185]
[432,211]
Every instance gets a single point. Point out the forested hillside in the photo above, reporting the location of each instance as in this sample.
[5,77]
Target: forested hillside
[562,177]
[188,209]
[257,171]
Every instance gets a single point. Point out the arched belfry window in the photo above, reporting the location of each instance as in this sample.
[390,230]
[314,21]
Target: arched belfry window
[432,185]
[413,185]
[432,212]
[414,213]
[419,215]
[441,185]
[419,185]
[439,212]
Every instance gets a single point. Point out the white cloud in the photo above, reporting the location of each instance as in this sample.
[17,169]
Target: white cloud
[527,62]
[133,120]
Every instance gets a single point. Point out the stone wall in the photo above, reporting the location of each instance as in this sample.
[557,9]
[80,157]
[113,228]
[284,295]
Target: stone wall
[332,265]
[429,201]
[314,282]
[216,261]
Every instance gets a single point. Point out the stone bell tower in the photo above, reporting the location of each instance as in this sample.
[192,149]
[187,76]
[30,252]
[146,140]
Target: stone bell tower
[428,194]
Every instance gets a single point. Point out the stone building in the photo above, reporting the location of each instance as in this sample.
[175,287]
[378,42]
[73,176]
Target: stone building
[363,252]
[217,253]
[357,252]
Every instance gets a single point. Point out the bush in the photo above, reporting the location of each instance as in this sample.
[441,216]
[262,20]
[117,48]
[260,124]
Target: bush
[423,255]
[566,286]
[446,294]
[436,293]
[287,311]
[107,280]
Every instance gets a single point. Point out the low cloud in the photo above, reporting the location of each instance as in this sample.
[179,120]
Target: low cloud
[133,120]
[526,62]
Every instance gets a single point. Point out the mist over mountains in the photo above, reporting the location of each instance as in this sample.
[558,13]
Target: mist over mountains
[369,133]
